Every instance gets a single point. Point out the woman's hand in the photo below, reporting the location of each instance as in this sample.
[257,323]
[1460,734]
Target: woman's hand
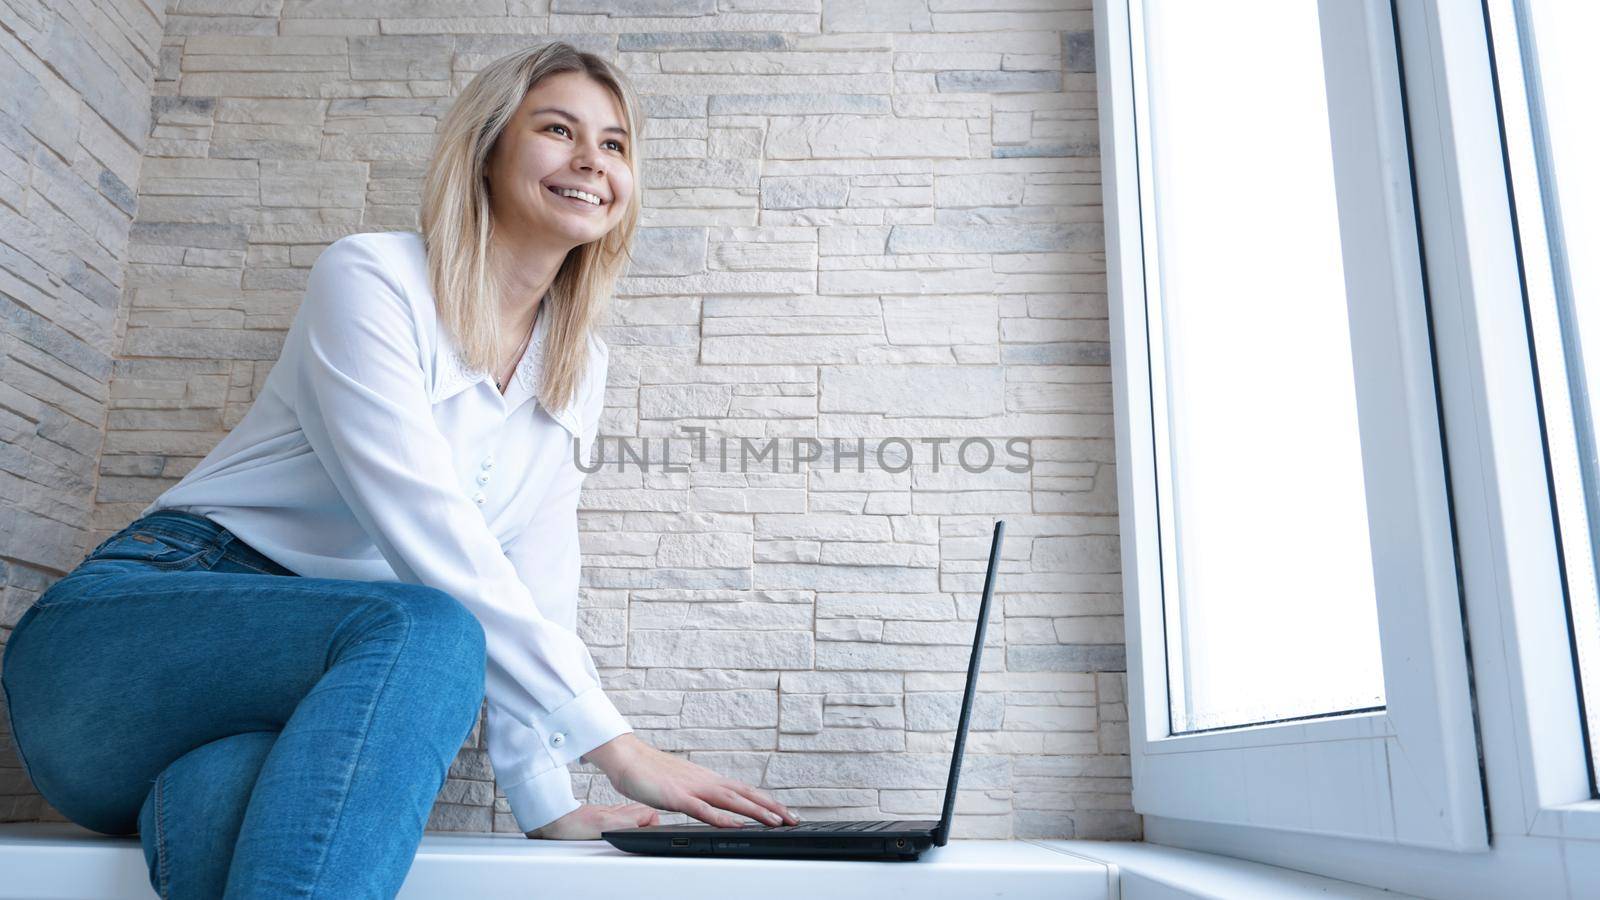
[587,821]
[664,781]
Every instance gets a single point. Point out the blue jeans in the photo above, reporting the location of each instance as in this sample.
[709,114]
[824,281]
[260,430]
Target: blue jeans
[267,735]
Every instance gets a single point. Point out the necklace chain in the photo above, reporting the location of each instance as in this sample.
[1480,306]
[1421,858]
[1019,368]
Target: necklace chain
[498,384]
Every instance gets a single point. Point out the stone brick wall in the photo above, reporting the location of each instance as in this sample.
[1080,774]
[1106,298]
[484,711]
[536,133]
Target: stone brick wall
[870,221]
[73,121]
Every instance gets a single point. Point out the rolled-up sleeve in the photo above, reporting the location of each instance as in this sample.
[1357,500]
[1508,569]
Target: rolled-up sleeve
[362,401]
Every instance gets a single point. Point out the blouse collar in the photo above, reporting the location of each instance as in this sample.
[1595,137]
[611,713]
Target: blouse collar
[454,376]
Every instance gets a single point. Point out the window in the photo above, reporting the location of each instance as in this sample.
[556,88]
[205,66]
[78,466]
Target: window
[1266,562]
[1461,157]
[1552,142]
[1296,649]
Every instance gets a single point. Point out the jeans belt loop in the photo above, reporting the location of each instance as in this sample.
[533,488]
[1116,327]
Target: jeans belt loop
[219,546]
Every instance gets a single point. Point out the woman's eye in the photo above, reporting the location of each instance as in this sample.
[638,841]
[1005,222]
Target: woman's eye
[568,131]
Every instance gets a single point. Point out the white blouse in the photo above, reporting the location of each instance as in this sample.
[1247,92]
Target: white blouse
[373,453]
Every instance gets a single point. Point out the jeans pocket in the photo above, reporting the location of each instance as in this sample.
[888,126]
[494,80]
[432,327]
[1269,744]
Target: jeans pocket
[151,548]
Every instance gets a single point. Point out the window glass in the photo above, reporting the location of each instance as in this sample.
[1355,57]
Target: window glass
[1553,142]
[1267,565]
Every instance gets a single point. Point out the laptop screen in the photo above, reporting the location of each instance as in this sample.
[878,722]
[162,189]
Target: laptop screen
[942,834]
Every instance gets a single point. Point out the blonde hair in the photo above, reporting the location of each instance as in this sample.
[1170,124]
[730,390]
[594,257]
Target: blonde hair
[456,221]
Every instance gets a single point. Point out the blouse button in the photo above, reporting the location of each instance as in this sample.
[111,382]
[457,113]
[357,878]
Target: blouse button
[483,477]
[479,498]
[557,739]
[488,462]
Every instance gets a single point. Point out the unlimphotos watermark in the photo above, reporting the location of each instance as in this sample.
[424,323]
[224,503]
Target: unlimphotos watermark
[742,454]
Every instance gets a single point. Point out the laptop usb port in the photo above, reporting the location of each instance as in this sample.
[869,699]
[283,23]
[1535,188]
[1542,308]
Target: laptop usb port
[680,842]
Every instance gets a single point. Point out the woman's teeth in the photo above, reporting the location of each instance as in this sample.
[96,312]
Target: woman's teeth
[568,192]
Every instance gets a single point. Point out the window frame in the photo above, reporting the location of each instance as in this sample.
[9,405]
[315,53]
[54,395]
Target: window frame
[1538,277]
[1544,820]
[1405,774]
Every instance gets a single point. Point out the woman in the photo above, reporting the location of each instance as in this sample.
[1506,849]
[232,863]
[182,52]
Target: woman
[270,672]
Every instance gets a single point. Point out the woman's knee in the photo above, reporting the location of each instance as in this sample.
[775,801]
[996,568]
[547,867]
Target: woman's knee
[193,813]
[450,627]
[219,774]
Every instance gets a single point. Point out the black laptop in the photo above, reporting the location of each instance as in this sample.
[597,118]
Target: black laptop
[890,840]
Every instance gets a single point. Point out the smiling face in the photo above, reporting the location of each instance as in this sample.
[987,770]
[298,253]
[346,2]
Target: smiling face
[567,135]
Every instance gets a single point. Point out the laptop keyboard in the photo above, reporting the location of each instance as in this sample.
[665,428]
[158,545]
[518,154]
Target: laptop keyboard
[831,826]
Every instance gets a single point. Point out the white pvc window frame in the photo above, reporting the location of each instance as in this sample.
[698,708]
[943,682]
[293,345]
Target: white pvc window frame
[1544,820]
[1541,286]
[1406,774]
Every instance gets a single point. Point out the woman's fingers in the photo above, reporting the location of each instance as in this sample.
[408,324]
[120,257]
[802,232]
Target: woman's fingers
[635,815]
[731,799]
[766,801]
[676,784]
[708,814]
[643,815]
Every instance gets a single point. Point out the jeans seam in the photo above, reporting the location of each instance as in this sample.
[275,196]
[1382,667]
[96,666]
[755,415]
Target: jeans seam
[175,564]
[160,529]
[42,604]
[239,562]
[155,564]
[162,875]
[366,733]
[11,720]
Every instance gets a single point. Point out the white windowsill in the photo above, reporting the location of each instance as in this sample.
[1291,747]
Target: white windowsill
[58,861]
[1156,872]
